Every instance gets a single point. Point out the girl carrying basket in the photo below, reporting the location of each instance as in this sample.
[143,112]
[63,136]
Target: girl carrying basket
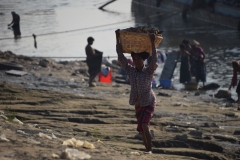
[141,95]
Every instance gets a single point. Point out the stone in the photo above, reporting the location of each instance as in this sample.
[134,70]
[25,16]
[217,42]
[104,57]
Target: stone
[135,153]
[236,132]
[177,104]
[88,134]
[222,94]
[210,86]
[214,125]
[55,156]
[196,133]
[3,138]
[73,143]
[9,155]
[42,135]
[115,62]
[63,62]
[207,137]
[74,154]
[206,125]
[181,137]
[15,120]
[3,117]
[226,138]
[44,62]
[32,141]
[138,136]
[152,133]
[197,93]
[88,145]
[107,137]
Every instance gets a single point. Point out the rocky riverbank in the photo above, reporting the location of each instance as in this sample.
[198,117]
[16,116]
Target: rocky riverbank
[54,104]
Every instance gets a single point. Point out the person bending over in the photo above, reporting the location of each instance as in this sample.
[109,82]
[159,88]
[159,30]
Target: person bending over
[94,61]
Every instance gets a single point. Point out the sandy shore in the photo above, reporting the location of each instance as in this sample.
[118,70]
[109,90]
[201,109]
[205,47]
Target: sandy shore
[56,101]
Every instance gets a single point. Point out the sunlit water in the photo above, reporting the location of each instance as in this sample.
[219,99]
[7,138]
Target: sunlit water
[221,44]
[40,17]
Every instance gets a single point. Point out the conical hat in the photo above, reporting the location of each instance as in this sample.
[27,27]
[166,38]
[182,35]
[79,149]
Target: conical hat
[195,43]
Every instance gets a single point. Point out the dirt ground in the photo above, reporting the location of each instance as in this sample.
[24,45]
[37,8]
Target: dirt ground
[55,104]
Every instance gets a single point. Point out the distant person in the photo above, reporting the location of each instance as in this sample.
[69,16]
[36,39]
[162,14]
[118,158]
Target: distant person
[94,61]
[141,94]
[192,57]
[199,55]
[15,24]
[185,75]
[236,68]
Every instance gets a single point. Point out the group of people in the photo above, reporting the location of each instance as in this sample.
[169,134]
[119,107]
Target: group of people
[192,62]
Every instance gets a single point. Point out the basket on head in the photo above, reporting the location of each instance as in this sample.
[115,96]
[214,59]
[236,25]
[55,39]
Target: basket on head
[137,42]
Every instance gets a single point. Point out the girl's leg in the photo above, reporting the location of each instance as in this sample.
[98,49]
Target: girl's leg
[148,136]
[144,140]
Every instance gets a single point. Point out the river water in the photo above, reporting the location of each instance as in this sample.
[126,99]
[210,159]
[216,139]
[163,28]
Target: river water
[41,17]
[221,44]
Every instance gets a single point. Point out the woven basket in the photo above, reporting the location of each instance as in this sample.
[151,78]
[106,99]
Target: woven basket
[137,42]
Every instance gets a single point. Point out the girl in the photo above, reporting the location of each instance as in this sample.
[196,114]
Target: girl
[141,95]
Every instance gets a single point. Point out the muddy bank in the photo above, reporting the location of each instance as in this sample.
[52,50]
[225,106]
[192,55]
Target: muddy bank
[53,101]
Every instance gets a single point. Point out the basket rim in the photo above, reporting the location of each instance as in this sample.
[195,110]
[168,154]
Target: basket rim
[144,34]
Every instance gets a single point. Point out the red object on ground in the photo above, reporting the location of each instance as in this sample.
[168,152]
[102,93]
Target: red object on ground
[105,79]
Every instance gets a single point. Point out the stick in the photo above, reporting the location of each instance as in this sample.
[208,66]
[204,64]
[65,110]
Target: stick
[35,41]
[101,7]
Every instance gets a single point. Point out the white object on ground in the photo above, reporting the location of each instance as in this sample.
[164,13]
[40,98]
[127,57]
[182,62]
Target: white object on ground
[4,117]
[15,120]
[3,138]
[74,154]
[53,136]
[135,153]
[55,156]
[88,145]
[33,125]
[105,70]
[30,140]
[44,136]
[20,131]
[73,143]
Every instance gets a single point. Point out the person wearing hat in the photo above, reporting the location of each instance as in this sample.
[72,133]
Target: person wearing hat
[199,56]
[94,61]
[15,24]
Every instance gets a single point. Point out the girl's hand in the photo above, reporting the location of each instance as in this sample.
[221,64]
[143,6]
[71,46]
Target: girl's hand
[119,48]
[152,37]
